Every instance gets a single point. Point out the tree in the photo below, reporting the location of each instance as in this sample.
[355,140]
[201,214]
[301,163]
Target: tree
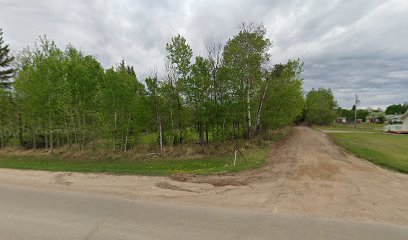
[8,115]
[56,93]
[179,54]
[244,55]
[153,88]
[376,116]
[38,88]
[82,82]
[284,99]
[396,109]
[197,92]
[217,90]
[66,97]
[320,106]
[6,71]
[123,99]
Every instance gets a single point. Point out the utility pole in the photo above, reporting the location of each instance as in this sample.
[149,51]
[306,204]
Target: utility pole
[357,101]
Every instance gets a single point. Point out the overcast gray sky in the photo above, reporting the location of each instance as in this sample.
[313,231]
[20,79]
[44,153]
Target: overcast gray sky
[353,46]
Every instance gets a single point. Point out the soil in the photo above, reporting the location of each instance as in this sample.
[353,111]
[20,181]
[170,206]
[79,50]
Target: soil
[306,175]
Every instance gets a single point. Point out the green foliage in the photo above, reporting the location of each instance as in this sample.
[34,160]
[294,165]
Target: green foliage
[396,109]
[376,116]
[66,98]
[243,57]
[285,99]
[7,115]
[349,114]
[123,99]
[320,106]
[179,55]
[6,70]
[196,91]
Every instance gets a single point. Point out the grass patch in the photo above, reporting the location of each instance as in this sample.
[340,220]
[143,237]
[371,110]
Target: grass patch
[362,127]
[390,151]
[256,156]
[208,165]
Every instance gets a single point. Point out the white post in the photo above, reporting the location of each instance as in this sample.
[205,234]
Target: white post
[235,158]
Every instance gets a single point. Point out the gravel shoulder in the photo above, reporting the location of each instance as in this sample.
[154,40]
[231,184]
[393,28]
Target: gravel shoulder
[306,175]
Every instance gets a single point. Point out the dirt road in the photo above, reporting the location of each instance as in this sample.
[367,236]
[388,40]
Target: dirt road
[306,175]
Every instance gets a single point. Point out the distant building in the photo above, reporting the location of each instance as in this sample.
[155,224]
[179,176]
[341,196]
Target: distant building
[341,120]
[395,118]
[399,128]
[404,119]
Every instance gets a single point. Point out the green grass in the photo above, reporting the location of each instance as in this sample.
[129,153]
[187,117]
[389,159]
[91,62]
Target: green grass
[147,138]
[362,127]
[390,151]
[255,157]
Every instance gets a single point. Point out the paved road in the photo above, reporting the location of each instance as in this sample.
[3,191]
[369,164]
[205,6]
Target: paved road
[28,213]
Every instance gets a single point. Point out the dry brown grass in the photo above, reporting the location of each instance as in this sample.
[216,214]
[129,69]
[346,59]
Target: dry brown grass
[149,152]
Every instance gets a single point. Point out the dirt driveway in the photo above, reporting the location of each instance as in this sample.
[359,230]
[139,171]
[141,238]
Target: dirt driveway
[306,175]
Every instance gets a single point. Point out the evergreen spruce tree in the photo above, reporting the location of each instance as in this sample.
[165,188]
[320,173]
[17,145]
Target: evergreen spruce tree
[6,71]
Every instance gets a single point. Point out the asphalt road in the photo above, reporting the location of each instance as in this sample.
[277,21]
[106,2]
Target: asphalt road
[28,213]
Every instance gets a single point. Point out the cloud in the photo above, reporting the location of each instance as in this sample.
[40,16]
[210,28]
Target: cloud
[348,46]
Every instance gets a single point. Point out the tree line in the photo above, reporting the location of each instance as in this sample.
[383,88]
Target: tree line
[63,97]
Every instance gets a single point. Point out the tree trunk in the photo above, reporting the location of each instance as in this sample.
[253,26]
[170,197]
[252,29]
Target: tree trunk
[158,119]
[174,95]
[67,133]
[173,127]
[33,133]
[179,119]
[75,126]
[50,124]
[34,138]
[121,138]
[261,100]
[115,131]
[51,139]
[127,133]
[206,134]
[84,131]
[20,129]
[160,134]
[249,110]
[200,133]
[2,139]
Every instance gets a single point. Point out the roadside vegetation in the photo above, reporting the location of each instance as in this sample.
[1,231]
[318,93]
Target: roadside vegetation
[387,150]
[61,110]
[191,158]
[205,165]
[320,107]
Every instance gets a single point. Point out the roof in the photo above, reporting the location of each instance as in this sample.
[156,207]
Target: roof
[404,116]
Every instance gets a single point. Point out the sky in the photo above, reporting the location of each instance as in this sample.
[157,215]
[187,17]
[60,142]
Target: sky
[350,46]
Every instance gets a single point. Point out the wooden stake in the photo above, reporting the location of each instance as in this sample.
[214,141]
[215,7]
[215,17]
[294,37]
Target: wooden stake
[235,158]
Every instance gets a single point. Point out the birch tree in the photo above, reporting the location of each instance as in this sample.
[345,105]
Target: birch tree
[245,54]
[179,54]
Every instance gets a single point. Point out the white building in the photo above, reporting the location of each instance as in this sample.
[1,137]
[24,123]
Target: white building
[404,119]
[399,128]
